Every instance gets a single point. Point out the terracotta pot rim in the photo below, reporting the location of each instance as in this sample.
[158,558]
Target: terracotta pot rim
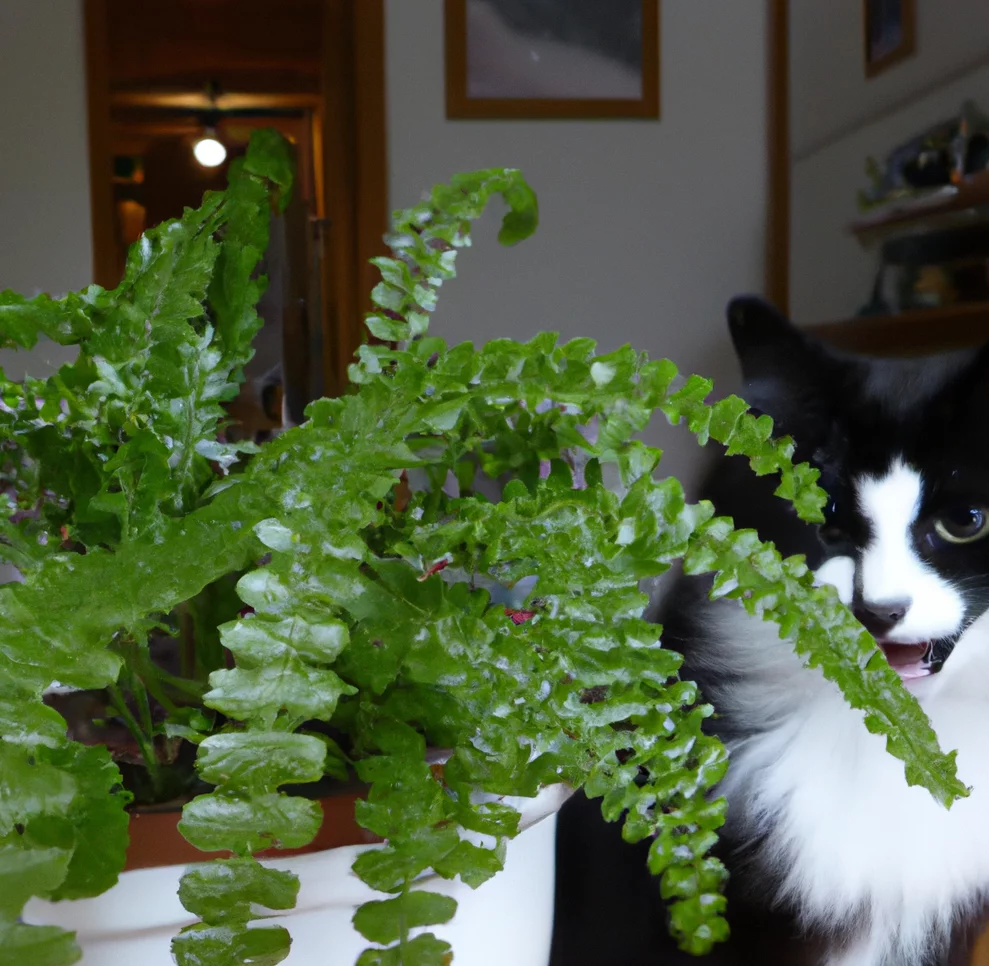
[155,840]
[316,791]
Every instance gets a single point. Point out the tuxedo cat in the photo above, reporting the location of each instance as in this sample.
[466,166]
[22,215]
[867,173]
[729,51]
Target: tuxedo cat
[834,860]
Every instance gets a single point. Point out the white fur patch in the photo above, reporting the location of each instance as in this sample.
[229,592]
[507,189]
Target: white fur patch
[840,573]
[848,839]
[890,569]
[847,835]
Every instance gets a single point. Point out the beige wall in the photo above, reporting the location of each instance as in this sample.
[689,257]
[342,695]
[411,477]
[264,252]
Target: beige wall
[830,92]
[647,228]
[44,173]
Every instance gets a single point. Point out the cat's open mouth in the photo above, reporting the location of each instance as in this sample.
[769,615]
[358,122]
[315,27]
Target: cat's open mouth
[910,661]
[914,661]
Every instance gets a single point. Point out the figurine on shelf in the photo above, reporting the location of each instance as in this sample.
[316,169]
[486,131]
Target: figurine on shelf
[931,163]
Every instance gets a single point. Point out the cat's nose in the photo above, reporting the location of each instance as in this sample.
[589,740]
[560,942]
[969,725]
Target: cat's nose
[881,616]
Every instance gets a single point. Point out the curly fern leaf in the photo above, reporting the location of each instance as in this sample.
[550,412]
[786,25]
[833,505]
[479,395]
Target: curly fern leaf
[115,443]
[112,447]
[23,321]
[509,633]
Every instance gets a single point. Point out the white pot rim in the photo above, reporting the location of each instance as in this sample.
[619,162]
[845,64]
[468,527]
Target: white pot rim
[326,875]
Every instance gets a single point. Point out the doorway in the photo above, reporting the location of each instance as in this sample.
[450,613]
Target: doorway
[170,81]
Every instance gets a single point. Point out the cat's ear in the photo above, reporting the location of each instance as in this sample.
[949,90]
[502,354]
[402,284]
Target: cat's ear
[967,395]
[765,339]
[786,373]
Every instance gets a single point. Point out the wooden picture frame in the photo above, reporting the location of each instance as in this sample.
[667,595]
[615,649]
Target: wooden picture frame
[462,103]
[889,33]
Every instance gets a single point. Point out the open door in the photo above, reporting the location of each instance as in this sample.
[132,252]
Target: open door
[165,74]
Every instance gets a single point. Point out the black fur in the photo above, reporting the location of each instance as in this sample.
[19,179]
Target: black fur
[846,414]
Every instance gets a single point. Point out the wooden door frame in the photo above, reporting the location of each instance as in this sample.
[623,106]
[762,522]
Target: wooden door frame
[355,174]
[351,160]
[95,20]
[777,281]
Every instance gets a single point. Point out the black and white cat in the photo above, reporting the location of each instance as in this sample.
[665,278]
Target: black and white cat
[834,860]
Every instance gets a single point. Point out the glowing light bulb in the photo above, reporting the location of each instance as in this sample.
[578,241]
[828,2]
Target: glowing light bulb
[209,152]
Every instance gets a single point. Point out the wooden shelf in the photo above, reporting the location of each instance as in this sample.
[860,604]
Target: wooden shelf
[965,204]
[917,332]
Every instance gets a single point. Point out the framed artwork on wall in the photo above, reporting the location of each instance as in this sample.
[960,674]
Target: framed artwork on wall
[552,58]
[889,33]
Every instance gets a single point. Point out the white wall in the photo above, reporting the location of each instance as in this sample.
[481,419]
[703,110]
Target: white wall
[44,174]
[829,90]
[831,275]
[647,228]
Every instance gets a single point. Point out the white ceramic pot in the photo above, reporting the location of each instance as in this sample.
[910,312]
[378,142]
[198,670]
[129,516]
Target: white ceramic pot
[508,920]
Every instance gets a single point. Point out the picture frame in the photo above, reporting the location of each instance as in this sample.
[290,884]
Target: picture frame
[889,33]
[558,59]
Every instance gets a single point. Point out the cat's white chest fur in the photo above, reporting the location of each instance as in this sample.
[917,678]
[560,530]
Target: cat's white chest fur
[848,838]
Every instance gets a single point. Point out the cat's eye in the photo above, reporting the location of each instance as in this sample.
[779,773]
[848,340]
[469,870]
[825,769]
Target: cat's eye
[962,525]
[831,535]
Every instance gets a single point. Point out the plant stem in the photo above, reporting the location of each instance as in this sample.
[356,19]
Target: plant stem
[191,689]
[144,739]
[153,678]
[135,683]
[187,643]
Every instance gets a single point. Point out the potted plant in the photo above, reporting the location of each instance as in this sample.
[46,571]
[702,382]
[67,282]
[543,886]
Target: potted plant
[427,587]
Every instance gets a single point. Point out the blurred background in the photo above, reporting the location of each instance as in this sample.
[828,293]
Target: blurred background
[829,155]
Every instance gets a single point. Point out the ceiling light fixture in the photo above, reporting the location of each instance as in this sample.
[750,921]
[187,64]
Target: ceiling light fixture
[208,150]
